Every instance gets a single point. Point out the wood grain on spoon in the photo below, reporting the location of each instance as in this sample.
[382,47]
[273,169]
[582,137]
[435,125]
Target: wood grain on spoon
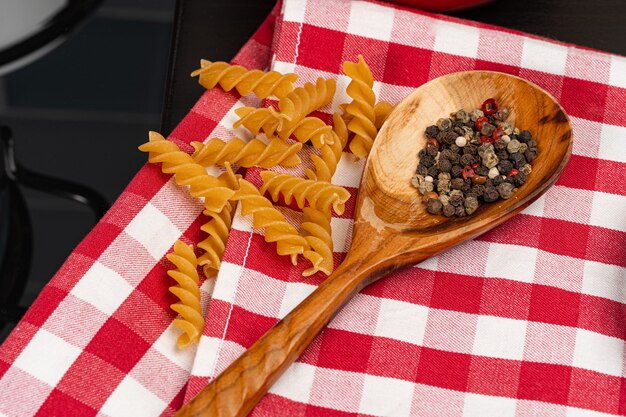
[392,228]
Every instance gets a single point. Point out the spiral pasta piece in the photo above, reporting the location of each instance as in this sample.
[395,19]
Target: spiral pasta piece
[247,154]
[316,230]
[326,163]
[187,172]
[266,216]
[257,120]
[245,81]
[361,109]
[319,195]
[381,109]
[187,290]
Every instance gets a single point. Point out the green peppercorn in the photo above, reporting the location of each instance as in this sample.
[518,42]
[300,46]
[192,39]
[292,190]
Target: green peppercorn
[490,195]
[513,146]
[448,210]
[434,206]
[471,204]
[502,114]
[456,198]
[444,124]
[476,114]
[526,169]
[505,190]
[459,211]
[432,131]
[463,116]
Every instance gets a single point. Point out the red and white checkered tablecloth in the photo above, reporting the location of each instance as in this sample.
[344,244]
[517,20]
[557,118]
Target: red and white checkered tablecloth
[527,320]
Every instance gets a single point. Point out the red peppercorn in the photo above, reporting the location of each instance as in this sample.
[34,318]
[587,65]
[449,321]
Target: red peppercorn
[497,134]
[513,173]
[484,139]
[490,106]
[474,165]
[467,172]
[433,142]
[480,122]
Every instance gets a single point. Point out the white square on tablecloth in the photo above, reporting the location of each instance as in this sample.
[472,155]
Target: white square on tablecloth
[604,213]
[536,208]
[544,56]
[499,337]
[511,262]
[613,143]
[226,287]
[617,76]
[153,230]
[341,233]
[402,321]
[103,288]
[293,11]
[604,280]
[130,398]
[597,352]
[47,357]
[371,20]
[386,396]
[456,39]
[294,294]
[166,345]
[477,405]
[300,373]
[208,350]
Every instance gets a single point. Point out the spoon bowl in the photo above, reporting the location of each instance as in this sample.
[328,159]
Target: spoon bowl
[392,227]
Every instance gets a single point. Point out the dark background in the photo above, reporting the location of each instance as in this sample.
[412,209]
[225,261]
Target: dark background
[80,112]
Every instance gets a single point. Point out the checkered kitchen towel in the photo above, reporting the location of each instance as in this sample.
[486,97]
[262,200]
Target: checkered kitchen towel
[534,324]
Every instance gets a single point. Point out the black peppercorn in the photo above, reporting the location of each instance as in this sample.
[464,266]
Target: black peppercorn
[490,195]
[427,161]
[478,190]
[421,153]
[432,131]
[470,149]
[519,179]
[444,164]
[448,210]
[431,150]
[434,206]
[483,171]
[499,145]
[455,149]
[433,171]
[489,183]
[466,188]
[467,159]
[524,136]
[505,190]
[456,171]
[530,155]
[505,166]
[497,180]
[509,180]
[421,170]
[518,160]
[532,145]
[503,154]
[458,123]
[491,119]
[457,183]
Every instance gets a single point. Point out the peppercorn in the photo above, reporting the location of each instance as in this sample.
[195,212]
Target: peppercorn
[433,171]
[490,159]
[448,210]
[505,166]
[443,186]
[478,190]
[481,171]
[503,154]
[431,150]
[444,199]
[505,190]
[444,164]
[427,161]
[444,124]
[456,198]
[456,171]
[476,114]
[454,148]
[518,160]
[460,211]
[466,188]
[460,141]
[479,179]
[467,159]
[457,183]
[519,179]
[532,145]
[432,131]
[524,136]
[526,169]
[530,155]
[463,116]
[508,180]
[490,195]
[487,129]
[499,145]
[417,180]
[433,142]
[470,149]
[497,180]
[434,206]
[429,195]
[489,106]
[485,147]
[421,170]
[502,114]
[471,204]
[513,146]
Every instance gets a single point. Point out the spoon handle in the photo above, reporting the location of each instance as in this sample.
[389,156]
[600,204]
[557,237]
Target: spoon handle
[238,389]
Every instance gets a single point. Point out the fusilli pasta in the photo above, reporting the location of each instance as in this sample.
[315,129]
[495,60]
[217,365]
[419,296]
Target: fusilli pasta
[187,172]
[188,291]
[266,216]
[245,81]
[236,151]
[320,195]
[361,109]
[326,163]
[316,230]
[257,120]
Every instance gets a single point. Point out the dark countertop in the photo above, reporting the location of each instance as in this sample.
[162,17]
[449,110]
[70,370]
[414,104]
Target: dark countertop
[217,31]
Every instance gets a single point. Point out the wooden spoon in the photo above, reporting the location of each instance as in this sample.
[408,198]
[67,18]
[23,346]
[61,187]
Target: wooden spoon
[392,227]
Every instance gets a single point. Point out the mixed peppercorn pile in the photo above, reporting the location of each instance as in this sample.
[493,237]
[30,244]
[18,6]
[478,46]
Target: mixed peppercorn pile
[472,157]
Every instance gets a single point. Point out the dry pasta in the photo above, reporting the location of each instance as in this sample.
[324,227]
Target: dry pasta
[381,110]
[257,120]
[326,163]
[187,290]
[266,216]
[253,153]
[361,109]
[320,195]
[186,172]
[316,230]
[245,81]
